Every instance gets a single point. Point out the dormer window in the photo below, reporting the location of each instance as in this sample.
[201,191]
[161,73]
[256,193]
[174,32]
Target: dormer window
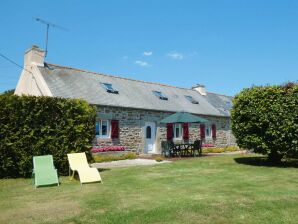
[160,95]
[109,88]
[191,99]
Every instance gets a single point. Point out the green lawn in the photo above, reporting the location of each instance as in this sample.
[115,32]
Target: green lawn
[213,189]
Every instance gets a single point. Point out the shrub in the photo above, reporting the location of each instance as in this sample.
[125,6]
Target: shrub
[265,120]
[231,148]
[32,126]
[158,159]
[107,158]
[213,150]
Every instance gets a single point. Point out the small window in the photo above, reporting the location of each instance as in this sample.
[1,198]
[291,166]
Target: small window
[148,132]
[109,88]
[177,131]
[102,129]
[160,95]
[191,99]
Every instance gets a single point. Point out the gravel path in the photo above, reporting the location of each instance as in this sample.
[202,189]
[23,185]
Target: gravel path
[127,163]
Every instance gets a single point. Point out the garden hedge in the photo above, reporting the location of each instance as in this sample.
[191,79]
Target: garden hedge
[265,120]
[32,126]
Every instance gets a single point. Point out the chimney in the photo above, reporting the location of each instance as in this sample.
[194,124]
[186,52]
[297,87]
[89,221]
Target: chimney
[200,88]
[35,56]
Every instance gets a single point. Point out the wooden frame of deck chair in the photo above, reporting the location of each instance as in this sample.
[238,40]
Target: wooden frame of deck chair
[78,163]
[44,171]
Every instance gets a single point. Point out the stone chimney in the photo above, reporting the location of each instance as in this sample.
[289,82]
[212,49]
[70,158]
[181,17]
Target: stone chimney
[34,55]
[200,88]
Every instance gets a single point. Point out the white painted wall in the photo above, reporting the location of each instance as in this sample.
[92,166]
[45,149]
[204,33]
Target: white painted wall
[31,81]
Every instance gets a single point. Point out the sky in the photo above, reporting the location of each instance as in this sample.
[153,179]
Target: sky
[225,45]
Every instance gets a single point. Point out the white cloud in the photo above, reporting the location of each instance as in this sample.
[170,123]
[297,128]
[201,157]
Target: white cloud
[175,55]
[147,53]
[141,63]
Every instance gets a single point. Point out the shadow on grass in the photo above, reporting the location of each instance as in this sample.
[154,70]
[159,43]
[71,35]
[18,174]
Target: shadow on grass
[102,169]
[263,161]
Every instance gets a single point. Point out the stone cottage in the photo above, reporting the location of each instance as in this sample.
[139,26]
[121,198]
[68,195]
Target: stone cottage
[129,111]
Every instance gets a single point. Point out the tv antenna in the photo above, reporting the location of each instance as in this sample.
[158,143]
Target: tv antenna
[48,24]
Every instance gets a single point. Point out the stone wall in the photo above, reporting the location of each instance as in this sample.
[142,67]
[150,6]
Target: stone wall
[132,122]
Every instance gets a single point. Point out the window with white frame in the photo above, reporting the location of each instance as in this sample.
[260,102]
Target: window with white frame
[208,132]
[177,131]
[102,129]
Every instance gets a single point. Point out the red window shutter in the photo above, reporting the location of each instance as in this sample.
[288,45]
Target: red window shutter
[214,131]
[169,131]
[115,129]
[185,131]
[202,131]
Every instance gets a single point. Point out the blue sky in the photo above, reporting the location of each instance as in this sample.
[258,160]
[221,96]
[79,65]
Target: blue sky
[226,45]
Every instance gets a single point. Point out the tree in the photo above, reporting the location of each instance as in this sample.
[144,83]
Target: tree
[265,120]
[8,92]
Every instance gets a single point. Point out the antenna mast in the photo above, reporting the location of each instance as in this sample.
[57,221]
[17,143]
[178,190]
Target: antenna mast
[48,25]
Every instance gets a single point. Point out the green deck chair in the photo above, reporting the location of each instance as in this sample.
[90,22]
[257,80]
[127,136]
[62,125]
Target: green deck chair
[44,171]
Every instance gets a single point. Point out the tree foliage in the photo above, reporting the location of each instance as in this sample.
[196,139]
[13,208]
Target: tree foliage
[265,120]
[8,92]
[32,126]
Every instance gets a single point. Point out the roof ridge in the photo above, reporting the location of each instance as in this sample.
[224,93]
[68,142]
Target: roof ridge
[219,94]
[114,76]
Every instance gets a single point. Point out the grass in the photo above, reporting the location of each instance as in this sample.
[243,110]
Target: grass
[214,189]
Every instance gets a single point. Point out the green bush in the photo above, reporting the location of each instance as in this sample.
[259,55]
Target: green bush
[231,148]
[213,150]
[158,159]
[107,158]
[265,120]
[32,126]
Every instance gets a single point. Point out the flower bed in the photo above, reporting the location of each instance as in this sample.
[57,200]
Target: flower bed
[96,149]
[206,145]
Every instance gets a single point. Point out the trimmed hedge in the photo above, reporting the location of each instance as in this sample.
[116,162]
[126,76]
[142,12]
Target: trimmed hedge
[265,120]
[32,126]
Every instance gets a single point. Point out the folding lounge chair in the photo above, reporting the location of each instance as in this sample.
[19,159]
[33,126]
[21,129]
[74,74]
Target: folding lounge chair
[78,162]
[44,171]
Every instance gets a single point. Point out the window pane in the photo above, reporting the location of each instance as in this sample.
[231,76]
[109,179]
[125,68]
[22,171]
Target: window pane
[104,128]
[97,128]
[148,132]
[177,131]
[108,86]
[207,131]
[160,95]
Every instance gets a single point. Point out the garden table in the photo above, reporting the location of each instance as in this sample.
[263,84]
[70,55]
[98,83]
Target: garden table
[184,149]
[181,149]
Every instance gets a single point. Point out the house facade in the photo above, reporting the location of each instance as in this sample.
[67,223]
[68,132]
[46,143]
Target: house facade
[129,111]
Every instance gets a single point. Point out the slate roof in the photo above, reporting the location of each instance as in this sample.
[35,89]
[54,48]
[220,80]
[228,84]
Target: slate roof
[74,83]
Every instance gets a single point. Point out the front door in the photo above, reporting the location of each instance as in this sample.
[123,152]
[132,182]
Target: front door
[149,131]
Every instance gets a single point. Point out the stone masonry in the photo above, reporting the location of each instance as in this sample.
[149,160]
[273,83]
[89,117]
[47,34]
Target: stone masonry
[132,122]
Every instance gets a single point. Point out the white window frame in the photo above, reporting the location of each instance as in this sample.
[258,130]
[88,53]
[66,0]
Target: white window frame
[208,126]
[180,131]
[108,135]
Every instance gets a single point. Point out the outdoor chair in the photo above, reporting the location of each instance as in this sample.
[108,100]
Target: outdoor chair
[44,171]
[198,146]
[78,163]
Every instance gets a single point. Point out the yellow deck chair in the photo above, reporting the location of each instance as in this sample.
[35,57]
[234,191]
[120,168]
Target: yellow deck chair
[78,163]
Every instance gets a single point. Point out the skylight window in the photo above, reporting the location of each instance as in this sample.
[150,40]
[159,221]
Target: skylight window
[229,103]
[109,88]
[160,95]
[191,99]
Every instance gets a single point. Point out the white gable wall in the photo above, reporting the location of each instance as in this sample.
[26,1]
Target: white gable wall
[31,81]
